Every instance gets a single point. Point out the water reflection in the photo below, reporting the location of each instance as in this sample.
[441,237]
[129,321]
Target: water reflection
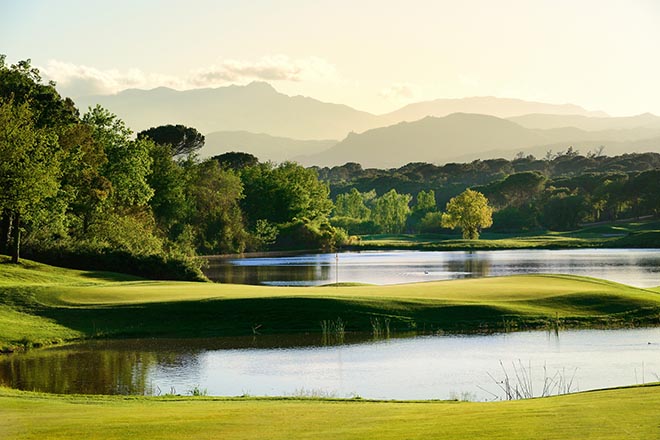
[423,367]
[80,370]
[637,267]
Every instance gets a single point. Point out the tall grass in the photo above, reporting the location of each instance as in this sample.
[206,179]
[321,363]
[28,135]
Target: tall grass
[519,384]
[380,328]
[333,331]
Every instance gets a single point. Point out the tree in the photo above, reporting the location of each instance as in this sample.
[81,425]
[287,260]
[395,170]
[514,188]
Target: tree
[216,215]
[351,205]
[22,83]
[29,169]
[169,180]
[182,140]
[563,210]
[520,188]
[129,163]
[391,211]
[468,211]
[284,193]
[425,201]
[32,112]
[235,160]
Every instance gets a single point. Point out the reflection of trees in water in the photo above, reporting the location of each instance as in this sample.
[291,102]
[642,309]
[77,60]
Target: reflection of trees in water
[236,274]
[649,264]
[98,371]
[469,267]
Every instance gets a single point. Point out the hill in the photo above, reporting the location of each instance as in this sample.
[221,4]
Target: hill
[486,105]
[256,107]
[262,145]
[462,136]
[259,108]
[547,121]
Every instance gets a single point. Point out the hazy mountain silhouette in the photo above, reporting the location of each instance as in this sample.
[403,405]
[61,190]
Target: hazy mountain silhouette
[461,135]
[259,108]
[470,127]
[256,107]
[646,120]
[485,105]
[611,148]
[264,146]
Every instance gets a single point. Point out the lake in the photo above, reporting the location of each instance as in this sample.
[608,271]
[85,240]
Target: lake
[421,367]
[636,267]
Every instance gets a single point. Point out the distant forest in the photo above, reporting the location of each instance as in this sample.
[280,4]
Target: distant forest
[83,190]
[558,192]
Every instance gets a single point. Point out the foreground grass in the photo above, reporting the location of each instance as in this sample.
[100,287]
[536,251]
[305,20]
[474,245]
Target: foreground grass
[628,413]
[42,305]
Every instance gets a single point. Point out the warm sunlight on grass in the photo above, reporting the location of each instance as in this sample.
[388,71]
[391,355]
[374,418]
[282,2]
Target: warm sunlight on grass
[628,413]
[42,304]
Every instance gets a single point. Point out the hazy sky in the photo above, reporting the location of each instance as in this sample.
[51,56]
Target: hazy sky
[372,55]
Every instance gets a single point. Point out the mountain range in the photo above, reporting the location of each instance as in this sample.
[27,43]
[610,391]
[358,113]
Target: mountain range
[258,119]
[464,137]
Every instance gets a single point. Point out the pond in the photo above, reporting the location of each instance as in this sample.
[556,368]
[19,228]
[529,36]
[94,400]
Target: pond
[422,367]
[636,267]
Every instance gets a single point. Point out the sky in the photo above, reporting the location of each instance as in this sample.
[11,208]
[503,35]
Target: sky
[372,55]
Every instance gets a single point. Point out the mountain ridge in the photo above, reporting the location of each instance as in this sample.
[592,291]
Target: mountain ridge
[437,140]
[259,108]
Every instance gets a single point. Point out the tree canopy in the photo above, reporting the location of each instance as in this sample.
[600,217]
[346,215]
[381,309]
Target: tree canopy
[468,211]
[182,140]
[29,169]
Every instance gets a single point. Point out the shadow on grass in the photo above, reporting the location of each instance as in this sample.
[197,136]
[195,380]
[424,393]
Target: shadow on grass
[272,315]
[110,276]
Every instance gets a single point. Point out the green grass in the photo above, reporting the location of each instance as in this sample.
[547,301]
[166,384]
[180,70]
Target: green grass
[618,235]
[626,413]
[41,305]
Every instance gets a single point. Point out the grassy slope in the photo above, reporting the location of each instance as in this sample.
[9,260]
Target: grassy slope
[629,413]
[634,234]
[43,304]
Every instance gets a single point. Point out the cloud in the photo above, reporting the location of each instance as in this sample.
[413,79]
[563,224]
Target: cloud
[400,92]
[78,80]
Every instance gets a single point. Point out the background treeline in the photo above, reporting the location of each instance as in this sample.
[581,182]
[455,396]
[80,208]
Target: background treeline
[558,192]
[84,191]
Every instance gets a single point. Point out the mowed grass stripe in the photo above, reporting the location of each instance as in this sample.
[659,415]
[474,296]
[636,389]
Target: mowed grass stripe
[629,413]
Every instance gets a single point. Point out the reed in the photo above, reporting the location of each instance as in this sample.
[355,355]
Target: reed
[333,331]
[380,328]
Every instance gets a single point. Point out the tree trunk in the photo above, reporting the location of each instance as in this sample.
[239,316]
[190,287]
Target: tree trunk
[5,231]
[17,238]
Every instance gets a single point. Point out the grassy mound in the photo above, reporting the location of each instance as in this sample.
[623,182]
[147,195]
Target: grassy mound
[41,304]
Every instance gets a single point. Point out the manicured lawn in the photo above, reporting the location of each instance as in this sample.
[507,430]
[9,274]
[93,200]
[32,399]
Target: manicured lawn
[628,413]
[41,304]
[633,234]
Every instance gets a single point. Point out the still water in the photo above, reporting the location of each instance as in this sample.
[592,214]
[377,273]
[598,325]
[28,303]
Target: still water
[636,267]
[422,367]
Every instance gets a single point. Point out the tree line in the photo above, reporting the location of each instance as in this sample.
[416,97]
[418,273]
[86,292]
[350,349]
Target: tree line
[559,192]
[84,190]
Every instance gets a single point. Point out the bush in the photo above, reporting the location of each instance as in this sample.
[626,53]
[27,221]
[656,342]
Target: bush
[310,235]
[153,266]
[355,226]
[514,219]
[430,223]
